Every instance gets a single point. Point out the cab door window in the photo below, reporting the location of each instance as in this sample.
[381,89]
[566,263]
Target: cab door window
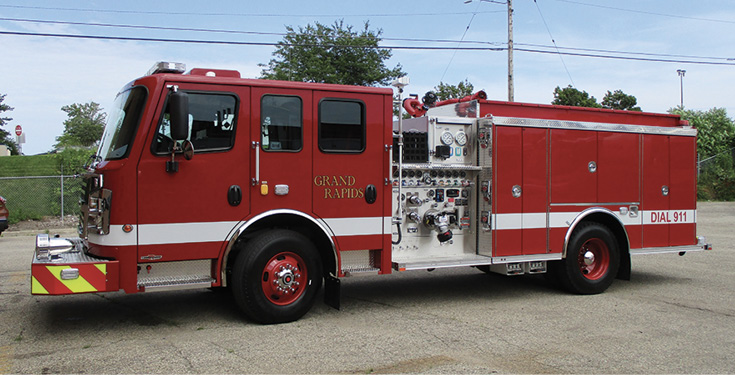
[281,123]
[212,120]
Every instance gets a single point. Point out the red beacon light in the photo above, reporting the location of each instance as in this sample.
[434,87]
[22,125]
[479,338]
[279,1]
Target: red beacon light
[215,73]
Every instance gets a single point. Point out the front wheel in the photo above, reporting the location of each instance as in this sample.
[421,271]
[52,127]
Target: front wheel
[592,261]
[276,277]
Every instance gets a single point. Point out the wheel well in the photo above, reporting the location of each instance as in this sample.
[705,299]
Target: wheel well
[618,230]
[296,223]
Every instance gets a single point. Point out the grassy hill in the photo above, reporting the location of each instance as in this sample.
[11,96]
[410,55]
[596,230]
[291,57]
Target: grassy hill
[35,165]
[33,197]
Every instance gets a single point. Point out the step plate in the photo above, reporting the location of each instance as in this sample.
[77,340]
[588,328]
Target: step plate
[175,283]
[466,261]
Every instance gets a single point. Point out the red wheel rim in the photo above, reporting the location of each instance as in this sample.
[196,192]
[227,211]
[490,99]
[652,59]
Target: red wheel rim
[594,259]
[284,278]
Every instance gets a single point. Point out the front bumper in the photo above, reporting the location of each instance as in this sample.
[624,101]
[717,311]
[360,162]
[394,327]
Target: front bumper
[61,266]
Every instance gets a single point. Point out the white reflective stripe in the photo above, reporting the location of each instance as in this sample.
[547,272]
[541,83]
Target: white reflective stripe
[562,219]
[535,220]
[116,237]
[176,233]
[627,219]
[157,234]
[507,221]
[356,226]
[565,219]
[669,217]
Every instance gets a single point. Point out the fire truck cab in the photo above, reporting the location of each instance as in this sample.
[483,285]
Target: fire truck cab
[273,188]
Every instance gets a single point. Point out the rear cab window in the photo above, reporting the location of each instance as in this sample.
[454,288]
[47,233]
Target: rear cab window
[341,125]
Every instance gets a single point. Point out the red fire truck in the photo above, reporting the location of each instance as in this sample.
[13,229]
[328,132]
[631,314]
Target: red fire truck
[274,188]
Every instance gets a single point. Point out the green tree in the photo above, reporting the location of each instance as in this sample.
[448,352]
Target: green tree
[572,97]
[331,54]
[84,126]
[715,142]
[71,161]
[446,91]
[620,100]
[5,137]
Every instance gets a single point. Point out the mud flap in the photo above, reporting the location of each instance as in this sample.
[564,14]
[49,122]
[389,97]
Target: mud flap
[332,291]
[624,270]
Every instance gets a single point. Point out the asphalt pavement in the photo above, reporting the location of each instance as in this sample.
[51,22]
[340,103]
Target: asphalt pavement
[676,315]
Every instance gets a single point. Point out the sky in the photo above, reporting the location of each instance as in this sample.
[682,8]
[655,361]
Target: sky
[41,74]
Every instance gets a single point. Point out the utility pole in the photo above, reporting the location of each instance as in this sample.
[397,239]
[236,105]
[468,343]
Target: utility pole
[511,90]
[681,73]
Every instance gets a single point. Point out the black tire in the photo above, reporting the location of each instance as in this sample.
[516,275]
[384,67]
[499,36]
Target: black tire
[592,260]
[276,277]
[485,269]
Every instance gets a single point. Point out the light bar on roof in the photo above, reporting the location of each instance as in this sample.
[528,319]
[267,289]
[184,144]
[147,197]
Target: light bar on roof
[167,67]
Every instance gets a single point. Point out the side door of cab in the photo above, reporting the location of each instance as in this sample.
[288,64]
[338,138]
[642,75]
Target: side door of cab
[188,213]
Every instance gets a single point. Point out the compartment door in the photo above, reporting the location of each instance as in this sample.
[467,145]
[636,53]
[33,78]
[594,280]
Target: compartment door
[655,200]
[350,166]
[521,191]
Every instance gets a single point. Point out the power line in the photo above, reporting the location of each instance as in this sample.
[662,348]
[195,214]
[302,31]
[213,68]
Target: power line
[492,49]
[142,27]
[458,43]
[694,62]
[554,42]
[423,40]
[232,42]
[629,52]
[222,31]
[646,12]
[230,14]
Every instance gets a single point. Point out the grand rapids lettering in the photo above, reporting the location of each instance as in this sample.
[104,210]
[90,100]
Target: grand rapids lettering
[339,187]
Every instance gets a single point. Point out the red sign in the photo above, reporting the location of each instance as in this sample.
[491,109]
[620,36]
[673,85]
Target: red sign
[18,130]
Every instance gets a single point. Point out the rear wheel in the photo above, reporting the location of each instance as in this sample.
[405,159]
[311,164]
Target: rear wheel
[592,261]
[276,277]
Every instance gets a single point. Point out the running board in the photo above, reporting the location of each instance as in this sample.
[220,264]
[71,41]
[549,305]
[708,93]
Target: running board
[175,283]
[700,246]
[511,265]
[189,274]
[423,264]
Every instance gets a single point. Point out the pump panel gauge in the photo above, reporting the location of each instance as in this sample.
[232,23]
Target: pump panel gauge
[447,138]
[461,138]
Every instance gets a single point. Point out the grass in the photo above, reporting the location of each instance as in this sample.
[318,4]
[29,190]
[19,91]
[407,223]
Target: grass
[34,165]
[34,198]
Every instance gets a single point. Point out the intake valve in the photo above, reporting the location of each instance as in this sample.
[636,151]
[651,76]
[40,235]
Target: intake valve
[439,221]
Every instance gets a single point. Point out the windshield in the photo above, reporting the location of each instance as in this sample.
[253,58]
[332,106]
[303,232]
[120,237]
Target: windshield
[122,123]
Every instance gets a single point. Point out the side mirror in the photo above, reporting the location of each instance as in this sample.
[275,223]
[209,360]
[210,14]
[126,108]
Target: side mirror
[178,105]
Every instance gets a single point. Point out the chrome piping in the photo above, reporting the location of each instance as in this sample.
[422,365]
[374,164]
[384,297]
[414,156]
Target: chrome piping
[48,248]
[595,204]
[584,214]
[235,234]
[595,126]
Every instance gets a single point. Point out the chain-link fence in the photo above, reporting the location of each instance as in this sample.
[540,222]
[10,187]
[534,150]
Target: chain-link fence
[716,174]
[32,198]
